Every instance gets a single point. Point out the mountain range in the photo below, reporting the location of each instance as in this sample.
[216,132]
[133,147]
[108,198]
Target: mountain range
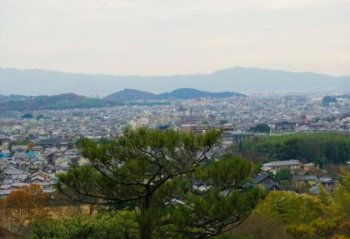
[238,79]
[127,96]
[183,93]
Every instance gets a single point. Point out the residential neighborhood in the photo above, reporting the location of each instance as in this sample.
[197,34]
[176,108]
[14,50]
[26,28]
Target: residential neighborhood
[37,146]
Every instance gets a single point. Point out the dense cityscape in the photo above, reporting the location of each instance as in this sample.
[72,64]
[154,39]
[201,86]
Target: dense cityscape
[35,146]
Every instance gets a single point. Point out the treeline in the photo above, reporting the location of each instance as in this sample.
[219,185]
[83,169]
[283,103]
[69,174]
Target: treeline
[321,148]
[66,101]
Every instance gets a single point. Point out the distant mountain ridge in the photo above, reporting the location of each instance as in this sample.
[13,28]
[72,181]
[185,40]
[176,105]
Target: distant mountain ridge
[55,102]
[130,95]
[188,93]
[237,79]
[182,93]
[73,101]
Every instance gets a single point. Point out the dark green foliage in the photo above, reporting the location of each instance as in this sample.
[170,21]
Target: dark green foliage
[65,101]
[223,122]
[125,97]
[227,173]
[283,174]
[39,117]
[321,148]
[130,95]
[21,142]
[27,116]
[328,100]
[184,93]
[188,93]
[153,173]
[223,207]
[261,128]
[56,102]
[120,225]
[212,213]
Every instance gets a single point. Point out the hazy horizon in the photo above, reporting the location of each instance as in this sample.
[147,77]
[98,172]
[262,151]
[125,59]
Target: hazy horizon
[237,79]
[158,38]
[176,74]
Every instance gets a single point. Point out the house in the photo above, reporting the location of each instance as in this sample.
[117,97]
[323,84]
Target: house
[5,154]
[301,182]
[48,143]
[11,163]
[40,176]
[310,167]
[37,179]
[265,180]
[37,148]
[284,126]
[275,166]
[21,155]
[36,164]
[65,144]
[328,182]
[10,171]
[21,177]
[4,193]
[19,148]
[199,186]
[18,185]
[24,165]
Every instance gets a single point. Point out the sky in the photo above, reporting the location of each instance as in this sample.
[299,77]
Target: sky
[165,37]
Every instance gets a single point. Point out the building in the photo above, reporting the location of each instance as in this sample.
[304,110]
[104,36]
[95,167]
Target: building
[275,166]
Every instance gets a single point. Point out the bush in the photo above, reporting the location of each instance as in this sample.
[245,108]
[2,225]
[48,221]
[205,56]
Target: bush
[118,225]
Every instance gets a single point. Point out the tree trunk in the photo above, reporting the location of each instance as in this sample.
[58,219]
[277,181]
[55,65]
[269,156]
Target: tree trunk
[145,231]
[145,222]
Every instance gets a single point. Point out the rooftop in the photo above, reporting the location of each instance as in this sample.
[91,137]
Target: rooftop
[282,163]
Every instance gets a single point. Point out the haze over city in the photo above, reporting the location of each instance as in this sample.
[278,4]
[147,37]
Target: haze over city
[154,37]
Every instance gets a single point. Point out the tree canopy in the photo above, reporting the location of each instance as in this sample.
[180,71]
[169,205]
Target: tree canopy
[320,148]
[117,225]
[261,128]
[169,179]
[305,216]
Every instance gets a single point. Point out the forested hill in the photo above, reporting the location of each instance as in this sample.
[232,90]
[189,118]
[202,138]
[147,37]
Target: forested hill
[182,93]
[130,95]
[187,93]
[127,96]
[63,101]
[321,148]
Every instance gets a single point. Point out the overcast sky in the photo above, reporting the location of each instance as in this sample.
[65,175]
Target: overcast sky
[162,37]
